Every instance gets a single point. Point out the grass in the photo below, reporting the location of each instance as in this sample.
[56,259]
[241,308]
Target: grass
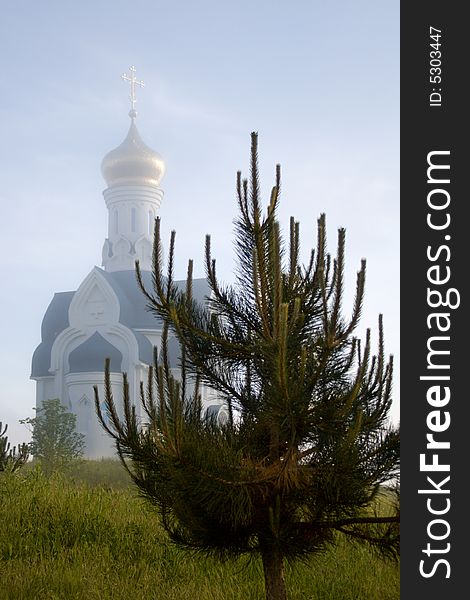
[88,535]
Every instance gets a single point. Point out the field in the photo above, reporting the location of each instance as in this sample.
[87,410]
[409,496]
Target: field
[89,536]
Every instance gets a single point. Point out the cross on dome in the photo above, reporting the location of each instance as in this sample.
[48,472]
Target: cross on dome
[133,162]
[133,82]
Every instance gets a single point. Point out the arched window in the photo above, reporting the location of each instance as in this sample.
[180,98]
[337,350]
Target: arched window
[133,218]
[116,221]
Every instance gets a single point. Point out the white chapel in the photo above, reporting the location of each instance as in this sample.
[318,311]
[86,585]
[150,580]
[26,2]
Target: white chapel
[107,316]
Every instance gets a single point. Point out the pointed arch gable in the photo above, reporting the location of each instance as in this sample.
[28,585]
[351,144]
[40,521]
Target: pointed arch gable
[94,303]
[118,335]
[90,356]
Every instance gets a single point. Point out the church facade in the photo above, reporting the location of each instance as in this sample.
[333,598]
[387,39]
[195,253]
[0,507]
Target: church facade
[107,316]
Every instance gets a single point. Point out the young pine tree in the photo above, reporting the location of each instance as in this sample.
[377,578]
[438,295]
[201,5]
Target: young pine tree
[307,446]
[10,459]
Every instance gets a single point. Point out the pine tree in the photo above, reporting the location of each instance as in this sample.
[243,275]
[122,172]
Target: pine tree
[307,447]
[10,459]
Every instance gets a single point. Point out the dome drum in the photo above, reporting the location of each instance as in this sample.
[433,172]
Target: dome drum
[133,193]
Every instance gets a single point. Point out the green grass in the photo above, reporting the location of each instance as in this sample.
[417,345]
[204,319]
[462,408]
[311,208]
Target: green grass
[89,536]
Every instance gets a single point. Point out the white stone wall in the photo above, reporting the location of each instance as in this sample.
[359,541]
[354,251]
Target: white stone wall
[80,396]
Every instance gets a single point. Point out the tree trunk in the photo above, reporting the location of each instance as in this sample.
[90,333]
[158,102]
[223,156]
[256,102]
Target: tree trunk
[273,567]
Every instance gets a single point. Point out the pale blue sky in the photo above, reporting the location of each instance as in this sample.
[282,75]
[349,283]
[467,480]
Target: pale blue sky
[318,80]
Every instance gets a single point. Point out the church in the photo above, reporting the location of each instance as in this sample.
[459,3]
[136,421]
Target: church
[107,316]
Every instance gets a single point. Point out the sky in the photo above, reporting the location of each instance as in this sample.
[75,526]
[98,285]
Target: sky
[318,81]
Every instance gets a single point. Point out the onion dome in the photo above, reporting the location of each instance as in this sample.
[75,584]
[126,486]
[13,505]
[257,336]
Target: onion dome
[133,162]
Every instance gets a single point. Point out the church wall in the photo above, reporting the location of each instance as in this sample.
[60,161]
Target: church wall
[153,336]
[81,397]
[45,390]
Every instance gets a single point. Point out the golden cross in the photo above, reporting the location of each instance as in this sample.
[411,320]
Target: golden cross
[133,81]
